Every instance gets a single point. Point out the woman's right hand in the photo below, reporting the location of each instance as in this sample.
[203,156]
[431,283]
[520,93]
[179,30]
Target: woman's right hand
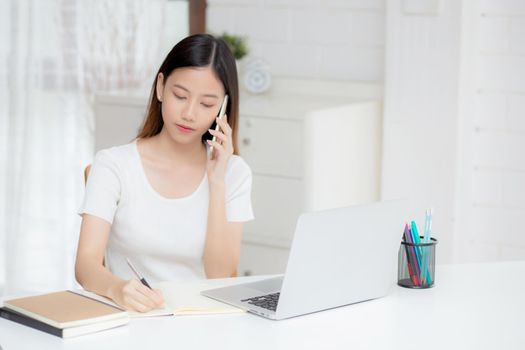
[133,295]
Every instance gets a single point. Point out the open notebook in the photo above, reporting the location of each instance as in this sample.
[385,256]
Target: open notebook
[179,299]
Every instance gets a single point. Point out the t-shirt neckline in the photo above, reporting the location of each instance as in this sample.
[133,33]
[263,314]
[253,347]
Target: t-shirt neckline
[150,187]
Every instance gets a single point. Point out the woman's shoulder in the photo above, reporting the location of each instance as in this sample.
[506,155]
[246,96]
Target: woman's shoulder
[116,158]
[116,153]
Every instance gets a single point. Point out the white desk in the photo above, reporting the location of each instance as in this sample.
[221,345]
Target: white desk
[478,306]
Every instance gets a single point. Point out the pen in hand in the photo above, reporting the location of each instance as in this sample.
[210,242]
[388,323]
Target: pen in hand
[139,276]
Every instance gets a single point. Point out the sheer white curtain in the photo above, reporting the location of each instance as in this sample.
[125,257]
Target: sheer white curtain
[54,54]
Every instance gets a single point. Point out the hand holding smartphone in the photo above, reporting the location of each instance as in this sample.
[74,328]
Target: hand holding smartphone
[222,112]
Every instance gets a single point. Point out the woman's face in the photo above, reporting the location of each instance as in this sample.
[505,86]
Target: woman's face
[191,98]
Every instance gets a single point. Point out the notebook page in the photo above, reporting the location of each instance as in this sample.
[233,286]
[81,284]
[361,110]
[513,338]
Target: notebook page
[185,299]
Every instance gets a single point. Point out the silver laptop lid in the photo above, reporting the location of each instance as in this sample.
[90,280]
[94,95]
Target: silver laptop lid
[342,256]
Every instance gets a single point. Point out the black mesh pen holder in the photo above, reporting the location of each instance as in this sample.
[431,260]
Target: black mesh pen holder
[416,265]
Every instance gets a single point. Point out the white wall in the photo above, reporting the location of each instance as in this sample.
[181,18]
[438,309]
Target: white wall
[453,131]
[454,100]
[420,113]
[175,26]
[492,203]
[330,39]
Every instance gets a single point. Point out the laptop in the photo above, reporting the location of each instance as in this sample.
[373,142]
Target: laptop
[338,257]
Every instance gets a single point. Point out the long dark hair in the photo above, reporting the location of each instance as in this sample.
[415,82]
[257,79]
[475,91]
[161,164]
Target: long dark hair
[200,50]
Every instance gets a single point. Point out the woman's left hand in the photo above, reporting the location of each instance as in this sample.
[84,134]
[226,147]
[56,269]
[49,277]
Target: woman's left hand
[222,151]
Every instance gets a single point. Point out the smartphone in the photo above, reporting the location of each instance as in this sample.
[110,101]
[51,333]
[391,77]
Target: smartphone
[222,112]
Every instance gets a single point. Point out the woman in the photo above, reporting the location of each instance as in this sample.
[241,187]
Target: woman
[174,200]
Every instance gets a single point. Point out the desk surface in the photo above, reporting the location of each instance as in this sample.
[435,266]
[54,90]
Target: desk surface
[472,306]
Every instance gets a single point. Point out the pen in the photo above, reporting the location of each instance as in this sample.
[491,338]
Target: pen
[416,239]
[426,250]
[139,276]
[413,256]
[410,262]
[429,226]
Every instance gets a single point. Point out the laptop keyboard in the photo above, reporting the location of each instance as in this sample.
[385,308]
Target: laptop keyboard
[268,301]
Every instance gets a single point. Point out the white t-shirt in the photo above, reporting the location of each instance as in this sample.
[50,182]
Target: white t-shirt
[164,238]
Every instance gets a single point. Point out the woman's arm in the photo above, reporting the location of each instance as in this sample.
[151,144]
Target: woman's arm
[93,276]
[223,238]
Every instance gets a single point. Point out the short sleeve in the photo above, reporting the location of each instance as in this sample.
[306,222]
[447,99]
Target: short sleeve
[239,192]
[103,188]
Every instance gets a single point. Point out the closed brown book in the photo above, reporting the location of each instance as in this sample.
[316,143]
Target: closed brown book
[68,310]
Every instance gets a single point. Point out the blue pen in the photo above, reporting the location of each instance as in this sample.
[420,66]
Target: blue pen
[429,225]
[425,250]
[415,237]
[415,233]
[416,240]
[427,240]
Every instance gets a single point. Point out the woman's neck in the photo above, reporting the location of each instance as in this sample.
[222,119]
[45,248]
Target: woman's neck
[181,153]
